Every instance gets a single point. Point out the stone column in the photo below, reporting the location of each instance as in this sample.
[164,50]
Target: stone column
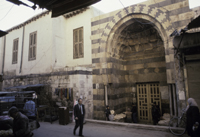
[170,99]
[180,83]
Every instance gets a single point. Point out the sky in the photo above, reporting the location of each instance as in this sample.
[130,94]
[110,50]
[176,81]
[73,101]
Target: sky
[12,15]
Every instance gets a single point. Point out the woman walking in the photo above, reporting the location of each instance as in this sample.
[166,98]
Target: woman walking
[193,119]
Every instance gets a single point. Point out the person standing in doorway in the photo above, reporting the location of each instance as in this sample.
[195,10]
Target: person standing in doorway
[79,113]
[107,111]
[134,113]
[155,113]
[193,119]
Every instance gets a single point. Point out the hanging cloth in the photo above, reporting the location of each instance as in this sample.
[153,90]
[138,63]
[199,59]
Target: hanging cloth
[70,93]
[66,92]
[56,91]
[61,93]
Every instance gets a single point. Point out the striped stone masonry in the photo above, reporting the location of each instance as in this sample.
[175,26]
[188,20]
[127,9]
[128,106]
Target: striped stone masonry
[120,75]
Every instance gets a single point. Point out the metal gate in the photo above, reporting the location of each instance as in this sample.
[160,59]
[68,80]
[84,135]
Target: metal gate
[146,95]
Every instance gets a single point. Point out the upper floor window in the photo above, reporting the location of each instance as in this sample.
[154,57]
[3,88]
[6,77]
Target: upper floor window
[32,46]
[78,43]
[15,51]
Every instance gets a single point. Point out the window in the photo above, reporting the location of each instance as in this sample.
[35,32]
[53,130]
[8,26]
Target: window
[32,46]
[78,43]
[15,51]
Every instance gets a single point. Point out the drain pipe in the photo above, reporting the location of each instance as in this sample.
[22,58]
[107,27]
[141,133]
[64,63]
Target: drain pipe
[20,69]
[4,49]
[106,95]
[175,99]
[170,99]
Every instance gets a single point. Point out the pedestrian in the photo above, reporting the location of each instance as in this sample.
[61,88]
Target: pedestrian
[107,111]
[30,109]
[155,113]
[79,113]
[134,113]
[193,119]
[20,123]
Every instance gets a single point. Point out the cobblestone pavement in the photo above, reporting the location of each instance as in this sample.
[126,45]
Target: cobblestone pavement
[96,130]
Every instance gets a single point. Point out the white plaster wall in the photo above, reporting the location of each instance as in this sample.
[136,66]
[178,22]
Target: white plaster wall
[42,64]
[80,20]
[62,30]
[59,49]
[96,12]
[54,44]
[8,66]
[43,52]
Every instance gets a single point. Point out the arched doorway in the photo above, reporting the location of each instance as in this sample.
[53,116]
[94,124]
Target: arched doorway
[138,67]
[128,53]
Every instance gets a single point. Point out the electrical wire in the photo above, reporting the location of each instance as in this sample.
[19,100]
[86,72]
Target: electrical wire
[7,13]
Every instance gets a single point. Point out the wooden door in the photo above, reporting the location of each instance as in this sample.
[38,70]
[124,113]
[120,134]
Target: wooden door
[147,93]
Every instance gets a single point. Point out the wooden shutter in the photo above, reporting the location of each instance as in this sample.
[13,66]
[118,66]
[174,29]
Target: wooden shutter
[15,51]
[78,43]
[32,46]
[81,42]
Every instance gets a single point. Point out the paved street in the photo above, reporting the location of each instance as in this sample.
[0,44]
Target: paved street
[96,130]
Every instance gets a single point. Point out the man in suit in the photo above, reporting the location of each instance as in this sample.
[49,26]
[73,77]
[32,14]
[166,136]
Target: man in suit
[79,113]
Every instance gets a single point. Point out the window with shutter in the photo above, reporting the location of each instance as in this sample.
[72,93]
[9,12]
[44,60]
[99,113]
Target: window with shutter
[32,46]
[15,51]
[78,43]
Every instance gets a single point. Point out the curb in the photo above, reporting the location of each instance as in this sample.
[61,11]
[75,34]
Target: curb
[130,125]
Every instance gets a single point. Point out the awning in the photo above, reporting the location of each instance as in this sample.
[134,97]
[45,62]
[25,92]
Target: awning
[184,40]
[193,24]
[24,87]
[189,40]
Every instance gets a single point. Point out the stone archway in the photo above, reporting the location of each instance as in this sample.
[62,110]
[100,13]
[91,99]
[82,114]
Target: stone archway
[159,19]
[111,67]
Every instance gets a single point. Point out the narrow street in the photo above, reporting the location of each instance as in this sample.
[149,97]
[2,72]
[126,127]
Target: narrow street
[96,130]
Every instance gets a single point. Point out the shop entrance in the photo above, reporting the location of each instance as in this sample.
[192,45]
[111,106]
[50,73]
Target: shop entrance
[147,93]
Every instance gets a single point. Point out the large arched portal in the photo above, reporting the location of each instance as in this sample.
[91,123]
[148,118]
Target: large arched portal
[132,60]
[138,68]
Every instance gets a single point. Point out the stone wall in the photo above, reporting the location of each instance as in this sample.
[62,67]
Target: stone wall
[78,78]
[110,68]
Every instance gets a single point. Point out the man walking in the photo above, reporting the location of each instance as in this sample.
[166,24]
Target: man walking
[79,113]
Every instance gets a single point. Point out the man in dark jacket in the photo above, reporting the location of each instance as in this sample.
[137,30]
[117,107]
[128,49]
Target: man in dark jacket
[20,123]
[79,113]
[155,113]
[107,111]
[134,113]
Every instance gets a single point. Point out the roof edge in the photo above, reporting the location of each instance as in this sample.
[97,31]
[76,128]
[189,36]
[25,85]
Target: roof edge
[76,12]
[28,21]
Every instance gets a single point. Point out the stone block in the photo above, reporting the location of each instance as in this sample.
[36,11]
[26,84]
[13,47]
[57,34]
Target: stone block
[164,92]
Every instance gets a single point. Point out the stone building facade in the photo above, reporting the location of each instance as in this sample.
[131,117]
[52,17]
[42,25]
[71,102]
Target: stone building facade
[128,58]
[51,61]
[131,48]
